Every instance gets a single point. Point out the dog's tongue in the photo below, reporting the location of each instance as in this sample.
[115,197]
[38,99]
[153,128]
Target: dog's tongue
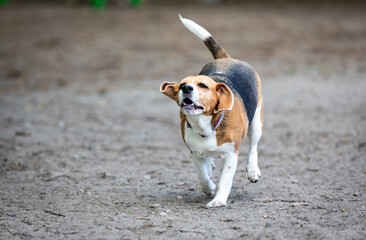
[190,106]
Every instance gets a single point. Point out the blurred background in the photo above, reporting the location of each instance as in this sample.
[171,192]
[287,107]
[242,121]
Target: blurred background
[90,148]
[112,39]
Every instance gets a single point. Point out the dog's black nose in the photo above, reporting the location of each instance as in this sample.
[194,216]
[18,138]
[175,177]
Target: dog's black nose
[187,88]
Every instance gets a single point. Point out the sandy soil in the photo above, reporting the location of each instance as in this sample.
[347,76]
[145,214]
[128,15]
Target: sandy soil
[90,149]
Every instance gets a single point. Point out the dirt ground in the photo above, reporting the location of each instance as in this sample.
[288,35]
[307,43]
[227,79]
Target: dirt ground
[90,149]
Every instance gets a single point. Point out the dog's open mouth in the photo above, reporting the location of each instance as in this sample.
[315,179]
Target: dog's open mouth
[188,104]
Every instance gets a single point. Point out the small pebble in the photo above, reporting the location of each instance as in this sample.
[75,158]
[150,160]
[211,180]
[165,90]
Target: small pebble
[163,214]
[143,137]
[268,224]
[295,204]
[61,124]
[23,133]
[106,175]
[357,194]
[154,205]
[179,197]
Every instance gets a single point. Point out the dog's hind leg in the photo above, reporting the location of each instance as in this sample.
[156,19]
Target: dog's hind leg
[254,134]
[202,166]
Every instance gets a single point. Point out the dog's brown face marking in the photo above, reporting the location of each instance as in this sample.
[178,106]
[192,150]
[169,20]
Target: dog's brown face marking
[203,93]
[199,95]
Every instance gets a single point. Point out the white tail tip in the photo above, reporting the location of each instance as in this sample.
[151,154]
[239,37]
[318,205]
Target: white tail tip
[196,29]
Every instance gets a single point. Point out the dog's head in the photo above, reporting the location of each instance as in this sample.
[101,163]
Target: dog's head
[199,95]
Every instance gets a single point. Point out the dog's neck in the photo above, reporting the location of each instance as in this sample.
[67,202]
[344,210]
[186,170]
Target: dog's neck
[202,124]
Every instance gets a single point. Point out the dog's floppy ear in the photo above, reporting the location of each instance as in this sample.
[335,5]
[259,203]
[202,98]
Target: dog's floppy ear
[225,98]
[170,89]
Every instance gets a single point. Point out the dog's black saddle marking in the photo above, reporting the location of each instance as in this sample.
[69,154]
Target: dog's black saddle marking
[240,78]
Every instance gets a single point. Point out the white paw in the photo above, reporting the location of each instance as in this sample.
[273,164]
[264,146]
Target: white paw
[216,203]
[209,189]
[254,174]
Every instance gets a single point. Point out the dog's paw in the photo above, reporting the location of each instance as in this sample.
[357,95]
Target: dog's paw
[254,174]
[216,203]
[209,189]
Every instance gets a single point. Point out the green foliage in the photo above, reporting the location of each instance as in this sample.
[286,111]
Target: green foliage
[98,4]
[136,3]
[3,2]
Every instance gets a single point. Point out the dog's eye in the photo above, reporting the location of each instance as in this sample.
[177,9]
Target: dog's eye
[182,85]
[201,85]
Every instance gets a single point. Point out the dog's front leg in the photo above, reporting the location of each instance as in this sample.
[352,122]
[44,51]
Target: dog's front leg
[210,164]
[226,181]
[201,165]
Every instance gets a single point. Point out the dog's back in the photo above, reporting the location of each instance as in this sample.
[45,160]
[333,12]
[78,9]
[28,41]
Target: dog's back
[239,76]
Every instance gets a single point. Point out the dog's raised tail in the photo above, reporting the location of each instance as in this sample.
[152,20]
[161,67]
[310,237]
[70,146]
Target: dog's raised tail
[214,47]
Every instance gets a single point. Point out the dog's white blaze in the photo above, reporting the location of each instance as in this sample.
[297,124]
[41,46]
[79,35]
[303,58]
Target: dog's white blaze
[195,97]
[196,29]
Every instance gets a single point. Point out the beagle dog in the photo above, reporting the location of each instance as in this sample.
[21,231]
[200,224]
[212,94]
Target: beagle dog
[218,107]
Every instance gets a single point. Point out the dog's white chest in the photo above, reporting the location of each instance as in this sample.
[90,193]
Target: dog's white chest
[205,146]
